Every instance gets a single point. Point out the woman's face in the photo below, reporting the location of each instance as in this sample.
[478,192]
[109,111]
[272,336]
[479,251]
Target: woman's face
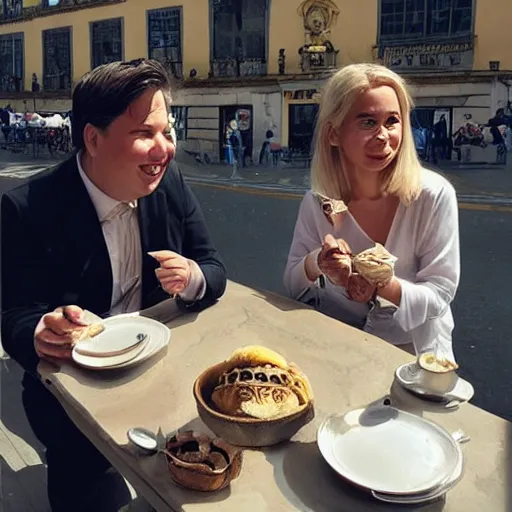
[371,135]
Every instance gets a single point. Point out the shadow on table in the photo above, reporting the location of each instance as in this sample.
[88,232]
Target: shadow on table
[279,301]
[307,482]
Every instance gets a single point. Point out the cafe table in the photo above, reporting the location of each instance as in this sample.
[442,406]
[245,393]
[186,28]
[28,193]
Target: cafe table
[347,368]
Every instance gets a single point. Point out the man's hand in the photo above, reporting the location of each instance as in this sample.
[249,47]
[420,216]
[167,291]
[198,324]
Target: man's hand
[57,332]
[335,260]
[174,272]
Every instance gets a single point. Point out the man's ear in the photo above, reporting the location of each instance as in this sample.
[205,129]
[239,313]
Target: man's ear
[91,139]
[333,135]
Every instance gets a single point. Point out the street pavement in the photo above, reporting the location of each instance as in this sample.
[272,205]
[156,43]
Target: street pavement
[252,224]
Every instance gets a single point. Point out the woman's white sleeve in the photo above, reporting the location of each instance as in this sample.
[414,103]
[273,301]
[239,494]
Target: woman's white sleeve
[305,240]
[437,279]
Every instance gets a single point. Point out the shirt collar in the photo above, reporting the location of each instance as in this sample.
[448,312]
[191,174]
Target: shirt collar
[103,203]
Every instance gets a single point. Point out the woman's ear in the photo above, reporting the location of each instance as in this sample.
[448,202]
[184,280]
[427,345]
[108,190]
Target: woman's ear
[332,135]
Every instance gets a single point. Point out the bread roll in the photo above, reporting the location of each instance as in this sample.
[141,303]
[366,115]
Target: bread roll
[376,265]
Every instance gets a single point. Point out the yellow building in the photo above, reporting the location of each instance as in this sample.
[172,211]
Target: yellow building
[261,61]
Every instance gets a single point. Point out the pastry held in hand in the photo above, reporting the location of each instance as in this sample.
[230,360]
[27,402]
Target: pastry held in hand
[376,265]
[90,331]
[331,207]
[259,383]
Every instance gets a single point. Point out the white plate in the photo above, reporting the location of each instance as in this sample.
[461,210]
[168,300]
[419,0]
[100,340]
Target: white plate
[387,450]
[462,391]
[116,338]
[95,362]
[431,495]
[158,334]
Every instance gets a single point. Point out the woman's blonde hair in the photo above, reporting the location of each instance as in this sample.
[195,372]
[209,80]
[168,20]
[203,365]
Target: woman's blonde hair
[328,175]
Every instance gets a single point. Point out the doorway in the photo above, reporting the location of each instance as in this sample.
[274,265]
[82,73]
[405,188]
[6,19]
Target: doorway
[301,121]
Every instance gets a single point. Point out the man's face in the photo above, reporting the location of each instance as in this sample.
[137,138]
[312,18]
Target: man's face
[133,153]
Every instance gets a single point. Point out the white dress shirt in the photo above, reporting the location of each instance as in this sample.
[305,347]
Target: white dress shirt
[425,239]
[120,226]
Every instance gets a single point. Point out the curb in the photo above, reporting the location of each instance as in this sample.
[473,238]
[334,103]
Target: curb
[491,200]
[241,185]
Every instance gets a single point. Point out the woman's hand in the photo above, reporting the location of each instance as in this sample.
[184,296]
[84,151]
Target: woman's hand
[359,289]
[335,261]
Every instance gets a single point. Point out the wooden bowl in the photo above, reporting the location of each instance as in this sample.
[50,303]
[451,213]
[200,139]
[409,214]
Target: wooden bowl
[198,476]
[239,431]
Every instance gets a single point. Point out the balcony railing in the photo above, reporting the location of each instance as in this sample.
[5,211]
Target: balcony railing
[226,68]
[57,82]
[18,13]
[312,61]
[442,55]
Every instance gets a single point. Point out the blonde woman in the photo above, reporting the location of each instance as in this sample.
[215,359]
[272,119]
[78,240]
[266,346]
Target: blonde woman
[368,188]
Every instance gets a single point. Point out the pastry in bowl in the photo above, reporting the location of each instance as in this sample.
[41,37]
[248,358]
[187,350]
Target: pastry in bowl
[201,463]
[254,398]
[259,383]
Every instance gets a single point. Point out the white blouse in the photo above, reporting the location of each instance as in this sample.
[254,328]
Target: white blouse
[424,237]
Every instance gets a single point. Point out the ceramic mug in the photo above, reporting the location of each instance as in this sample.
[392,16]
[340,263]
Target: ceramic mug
[435,376]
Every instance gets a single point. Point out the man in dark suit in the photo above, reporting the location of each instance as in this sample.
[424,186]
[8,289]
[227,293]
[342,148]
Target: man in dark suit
[113,229]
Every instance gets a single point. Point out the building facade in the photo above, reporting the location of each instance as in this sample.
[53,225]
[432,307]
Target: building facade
[261,62]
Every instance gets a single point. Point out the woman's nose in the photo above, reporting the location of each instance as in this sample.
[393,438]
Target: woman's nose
[382,135]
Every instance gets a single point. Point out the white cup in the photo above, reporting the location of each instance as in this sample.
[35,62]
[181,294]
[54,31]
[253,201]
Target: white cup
[435,378]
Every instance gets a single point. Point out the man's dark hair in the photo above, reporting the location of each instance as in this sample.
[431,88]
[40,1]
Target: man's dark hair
[107,91]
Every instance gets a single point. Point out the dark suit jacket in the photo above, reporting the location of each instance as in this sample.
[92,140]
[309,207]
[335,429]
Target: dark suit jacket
[54,252]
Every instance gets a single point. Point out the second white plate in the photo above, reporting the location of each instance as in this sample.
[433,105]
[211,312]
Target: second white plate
[387,450]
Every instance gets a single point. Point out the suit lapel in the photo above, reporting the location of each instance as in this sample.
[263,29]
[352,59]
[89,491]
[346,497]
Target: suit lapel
[93,285]
[151,213]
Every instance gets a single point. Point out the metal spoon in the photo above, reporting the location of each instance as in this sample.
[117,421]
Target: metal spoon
[146,440]
[143,439]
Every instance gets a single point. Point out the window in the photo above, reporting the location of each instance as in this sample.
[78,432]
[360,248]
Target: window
[10,9]
[11,62]
[106,41]
[164,38]
[57,59]
[239,36]
[423,19]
